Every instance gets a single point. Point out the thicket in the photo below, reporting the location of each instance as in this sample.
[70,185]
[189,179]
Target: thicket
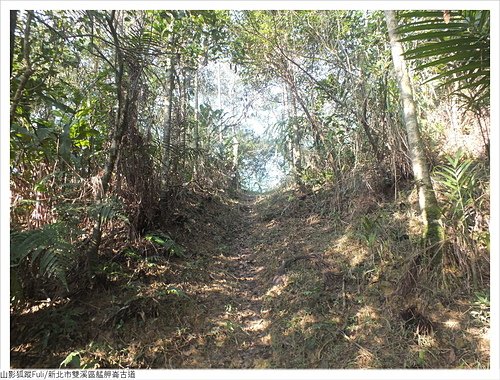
[117,115]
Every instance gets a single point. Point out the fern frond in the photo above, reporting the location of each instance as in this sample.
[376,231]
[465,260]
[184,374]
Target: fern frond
[166,242]
[457,179]
[48,249]
[110,208]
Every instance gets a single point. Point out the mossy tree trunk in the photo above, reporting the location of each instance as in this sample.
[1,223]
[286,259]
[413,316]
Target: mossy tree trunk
[429,207]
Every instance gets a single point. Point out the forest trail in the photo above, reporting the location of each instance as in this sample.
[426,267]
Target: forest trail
[244,317]
[269,281]
[248,315]
[138,136]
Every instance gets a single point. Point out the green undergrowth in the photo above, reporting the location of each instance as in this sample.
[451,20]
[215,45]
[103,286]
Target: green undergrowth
[333,289]
[139,294]
[343,306]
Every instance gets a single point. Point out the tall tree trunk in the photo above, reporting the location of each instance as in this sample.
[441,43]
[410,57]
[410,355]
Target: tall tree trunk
[196,126]
[167,127]
[127,90]
[429,208]
[236,145]
[286,118]
[368,131]
[196,113]
[296,137]
[219,106]
[184,115]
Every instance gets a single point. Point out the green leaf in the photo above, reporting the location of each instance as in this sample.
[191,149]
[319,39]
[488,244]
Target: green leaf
[432,35]
[484,19]
[177,292]
[484,82]
[71,361]
[418,14]
[444,47]
[449,42]
[463,47]
[456,57]
[410,28]
[48,249]
[468,77]
[166,242]
[469,67]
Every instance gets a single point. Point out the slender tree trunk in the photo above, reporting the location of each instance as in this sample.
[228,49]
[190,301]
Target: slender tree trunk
[219,90]
[429,208]
[196,127]
[319,138]
[219,104]
[196,114]
[167,127]
[185,125]
[127,90]
[286,117]
[236,145]
[120,120]
[296,136]
[368,131]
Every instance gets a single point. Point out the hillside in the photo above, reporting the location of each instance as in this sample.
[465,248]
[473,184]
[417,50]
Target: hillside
[264,281]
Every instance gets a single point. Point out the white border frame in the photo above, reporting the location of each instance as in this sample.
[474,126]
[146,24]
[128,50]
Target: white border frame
[494,6]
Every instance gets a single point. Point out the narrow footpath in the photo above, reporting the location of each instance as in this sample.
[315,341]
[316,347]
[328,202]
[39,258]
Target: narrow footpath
[275,281]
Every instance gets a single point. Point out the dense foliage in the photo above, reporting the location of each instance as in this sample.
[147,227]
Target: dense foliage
[118,117]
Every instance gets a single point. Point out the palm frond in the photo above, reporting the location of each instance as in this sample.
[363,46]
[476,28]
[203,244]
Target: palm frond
[109,209]
[458,47]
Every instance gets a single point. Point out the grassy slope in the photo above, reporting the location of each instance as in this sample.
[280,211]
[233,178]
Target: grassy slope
[276,281]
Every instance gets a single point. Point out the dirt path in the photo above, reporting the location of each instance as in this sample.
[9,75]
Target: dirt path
[252,320]
[247,319]
[222,307]
[239,333]
[249,290]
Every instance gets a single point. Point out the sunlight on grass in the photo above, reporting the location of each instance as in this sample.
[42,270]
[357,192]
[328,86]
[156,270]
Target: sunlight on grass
[353,252]
[365,359]
[452,324]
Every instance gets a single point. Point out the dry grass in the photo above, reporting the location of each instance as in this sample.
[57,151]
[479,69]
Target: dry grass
[222,306]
